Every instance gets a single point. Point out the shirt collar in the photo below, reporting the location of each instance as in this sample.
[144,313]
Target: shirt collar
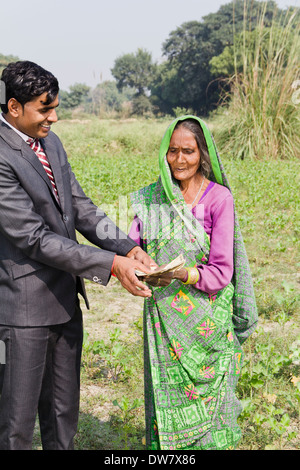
[21,134]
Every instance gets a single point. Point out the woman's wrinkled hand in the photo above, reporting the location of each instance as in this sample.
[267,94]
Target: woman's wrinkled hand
[166,278]
[162,281]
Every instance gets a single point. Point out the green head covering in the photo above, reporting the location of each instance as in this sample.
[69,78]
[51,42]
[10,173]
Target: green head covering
[164,146]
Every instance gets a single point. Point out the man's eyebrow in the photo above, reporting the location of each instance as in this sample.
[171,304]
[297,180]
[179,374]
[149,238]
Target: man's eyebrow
[47,106]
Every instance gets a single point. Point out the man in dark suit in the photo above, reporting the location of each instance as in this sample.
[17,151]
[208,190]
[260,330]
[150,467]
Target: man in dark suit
[42,266]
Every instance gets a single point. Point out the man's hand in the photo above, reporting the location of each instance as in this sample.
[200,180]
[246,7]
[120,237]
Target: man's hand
[140,255]
[124,268]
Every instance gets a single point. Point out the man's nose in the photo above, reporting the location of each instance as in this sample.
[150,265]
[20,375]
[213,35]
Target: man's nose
[52,117]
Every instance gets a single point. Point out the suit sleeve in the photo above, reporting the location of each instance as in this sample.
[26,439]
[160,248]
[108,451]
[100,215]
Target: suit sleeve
[27,231]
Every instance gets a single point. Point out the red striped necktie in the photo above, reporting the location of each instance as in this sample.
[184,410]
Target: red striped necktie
[38,149]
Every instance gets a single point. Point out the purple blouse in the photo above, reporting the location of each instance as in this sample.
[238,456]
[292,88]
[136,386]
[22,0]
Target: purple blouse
[219,225]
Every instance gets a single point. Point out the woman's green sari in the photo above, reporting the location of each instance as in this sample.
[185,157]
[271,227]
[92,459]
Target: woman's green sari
[193,340]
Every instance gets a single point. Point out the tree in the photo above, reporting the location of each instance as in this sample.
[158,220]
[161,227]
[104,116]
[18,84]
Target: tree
[135,71]
[76,96]
[165,88]
[186,77]
[188,54]
[244,20]
[106,98]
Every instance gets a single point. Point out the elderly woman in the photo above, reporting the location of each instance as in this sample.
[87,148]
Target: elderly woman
[199,315]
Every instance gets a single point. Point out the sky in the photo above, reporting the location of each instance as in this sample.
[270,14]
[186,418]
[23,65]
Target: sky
[79,41]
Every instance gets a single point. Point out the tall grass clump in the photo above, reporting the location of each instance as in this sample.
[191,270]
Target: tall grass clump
[260,116]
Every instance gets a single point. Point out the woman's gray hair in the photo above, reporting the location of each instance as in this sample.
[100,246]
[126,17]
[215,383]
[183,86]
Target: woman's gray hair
[194,127]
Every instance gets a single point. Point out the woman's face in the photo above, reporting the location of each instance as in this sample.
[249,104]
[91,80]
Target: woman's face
[183,155]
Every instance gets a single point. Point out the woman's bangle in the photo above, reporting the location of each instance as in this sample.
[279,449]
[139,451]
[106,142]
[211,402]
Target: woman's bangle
[193,276]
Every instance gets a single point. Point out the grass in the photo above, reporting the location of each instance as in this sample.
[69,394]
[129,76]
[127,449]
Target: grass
[112,158]
[261,117]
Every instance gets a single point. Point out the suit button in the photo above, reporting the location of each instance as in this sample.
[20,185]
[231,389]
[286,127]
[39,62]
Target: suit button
[65,217]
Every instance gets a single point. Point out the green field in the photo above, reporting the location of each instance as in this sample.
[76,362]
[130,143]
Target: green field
[113,158]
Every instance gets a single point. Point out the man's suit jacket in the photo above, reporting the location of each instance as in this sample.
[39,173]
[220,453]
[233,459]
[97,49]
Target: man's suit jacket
[41,263]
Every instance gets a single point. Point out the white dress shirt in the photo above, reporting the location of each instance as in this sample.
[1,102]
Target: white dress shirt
[21,134]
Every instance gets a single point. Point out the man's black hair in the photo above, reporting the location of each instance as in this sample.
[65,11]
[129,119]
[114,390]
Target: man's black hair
[25,80]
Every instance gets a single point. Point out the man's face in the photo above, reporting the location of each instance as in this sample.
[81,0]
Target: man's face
[35,118]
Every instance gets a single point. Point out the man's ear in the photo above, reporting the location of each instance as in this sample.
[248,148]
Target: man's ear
[14,107]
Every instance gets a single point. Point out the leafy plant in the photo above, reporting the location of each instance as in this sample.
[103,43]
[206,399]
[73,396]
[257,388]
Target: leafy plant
[115,355]
[90,352]
[111,355]
[127,415]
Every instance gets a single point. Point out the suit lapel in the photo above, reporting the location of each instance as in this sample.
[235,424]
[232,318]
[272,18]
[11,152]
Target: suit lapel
[17,143]
[31,157]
